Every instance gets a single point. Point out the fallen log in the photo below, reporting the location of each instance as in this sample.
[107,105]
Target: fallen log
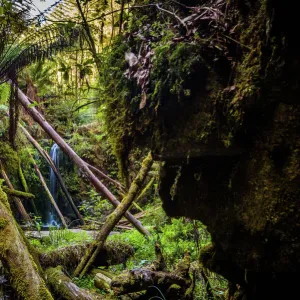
[174,285]
[17,193]
[51,163]
[102,282]
[15,257]
[99,186]
[113,253]
[141,279]
[106,273]
[112,220]
[63,286]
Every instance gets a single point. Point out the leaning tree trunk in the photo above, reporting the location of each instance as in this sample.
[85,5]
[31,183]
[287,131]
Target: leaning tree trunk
[66,289]
[16,258]
[99,186]
[104,176]
[51,163]
[114,218]
[17,201]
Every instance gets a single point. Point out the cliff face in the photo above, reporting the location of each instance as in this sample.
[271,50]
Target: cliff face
[230,141]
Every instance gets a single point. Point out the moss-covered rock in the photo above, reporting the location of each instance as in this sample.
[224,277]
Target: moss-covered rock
[228,120]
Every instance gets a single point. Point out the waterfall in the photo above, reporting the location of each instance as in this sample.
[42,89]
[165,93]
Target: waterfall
[55,155]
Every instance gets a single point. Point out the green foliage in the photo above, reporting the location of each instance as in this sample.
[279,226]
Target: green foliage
[173,68]
[37,221]
[174,236]
[59,238]
[95,208]
[4,93]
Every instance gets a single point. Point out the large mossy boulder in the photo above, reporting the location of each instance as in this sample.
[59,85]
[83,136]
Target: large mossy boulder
[222,113]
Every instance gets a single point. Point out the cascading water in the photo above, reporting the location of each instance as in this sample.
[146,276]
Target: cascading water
[55,155]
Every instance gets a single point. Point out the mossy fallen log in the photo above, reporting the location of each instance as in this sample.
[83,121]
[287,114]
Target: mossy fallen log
[141,279]
[102,282]
[17,193]
[113,253]
[63,286]
[174,285]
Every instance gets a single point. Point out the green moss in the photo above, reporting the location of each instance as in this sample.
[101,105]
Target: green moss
[22,179]
[10,159]
[3,223]
[175,287]
[44,293]
[3,197]
[18,193]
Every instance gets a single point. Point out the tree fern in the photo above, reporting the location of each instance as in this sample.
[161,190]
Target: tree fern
[33,43]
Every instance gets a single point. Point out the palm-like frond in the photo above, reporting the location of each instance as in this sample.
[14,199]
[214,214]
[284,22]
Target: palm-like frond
[41,44]
[22,44]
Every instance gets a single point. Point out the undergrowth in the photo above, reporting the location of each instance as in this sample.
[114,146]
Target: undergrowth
[59,238]
[174,235]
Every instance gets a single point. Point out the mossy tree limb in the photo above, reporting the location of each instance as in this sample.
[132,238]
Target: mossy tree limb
[15,257]
[25,187]
[65,288]
[112,220]
[17,193]
[22,179]
[17,201]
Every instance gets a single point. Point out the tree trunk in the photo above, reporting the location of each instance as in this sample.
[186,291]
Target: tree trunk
[89,39]
[114,218]
[39,174]
[113,253]
[15,257]
[26,189]
[55,170]
[17,201]
[99,186]
[121,16]
[66,289]
[102,175]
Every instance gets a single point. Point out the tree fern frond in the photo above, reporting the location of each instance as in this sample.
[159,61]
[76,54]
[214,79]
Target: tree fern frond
[36,47]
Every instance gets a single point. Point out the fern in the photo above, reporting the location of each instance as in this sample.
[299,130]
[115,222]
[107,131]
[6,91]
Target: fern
[24,41]
[42,44]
